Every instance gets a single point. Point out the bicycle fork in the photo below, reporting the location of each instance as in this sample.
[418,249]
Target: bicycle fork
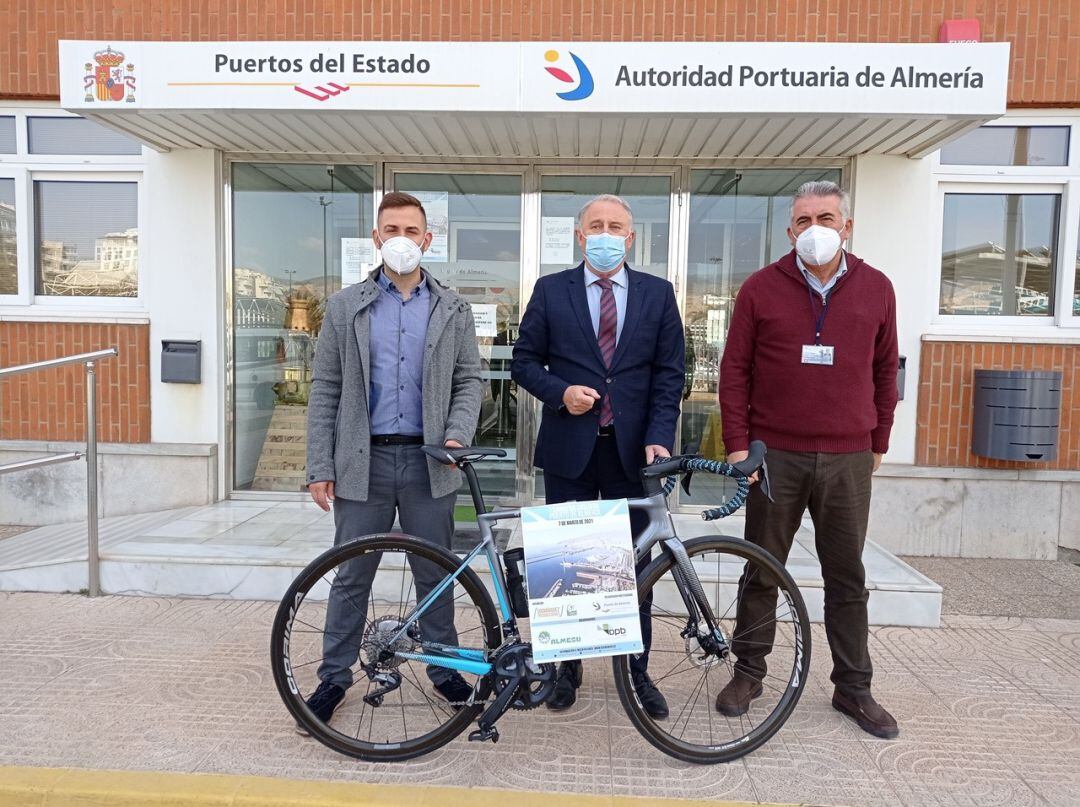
[697,604]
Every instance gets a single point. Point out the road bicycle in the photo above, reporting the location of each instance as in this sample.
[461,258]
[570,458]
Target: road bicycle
[387,582]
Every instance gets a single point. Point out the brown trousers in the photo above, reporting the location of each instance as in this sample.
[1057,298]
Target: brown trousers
[836,490]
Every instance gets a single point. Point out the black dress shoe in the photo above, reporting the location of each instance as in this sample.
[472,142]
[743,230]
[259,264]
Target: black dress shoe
[651,698]
[564,694]
[323,701]
[868,713]
[455,690]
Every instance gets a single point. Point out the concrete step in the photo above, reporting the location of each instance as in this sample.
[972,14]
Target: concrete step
[252,550]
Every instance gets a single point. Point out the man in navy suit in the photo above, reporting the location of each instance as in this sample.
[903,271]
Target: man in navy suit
[601,345]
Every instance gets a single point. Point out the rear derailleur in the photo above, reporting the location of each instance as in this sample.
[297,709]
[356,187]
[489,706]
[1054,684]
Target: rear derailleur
[519,683]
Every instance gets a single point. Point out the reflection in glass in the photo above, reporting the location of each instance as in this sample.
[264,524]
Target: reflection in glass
[1009,145]
[300,232]
[476,250]
[997,254]
[1076,281]
[738,224]
[87,238]
[562,197]
[9,269]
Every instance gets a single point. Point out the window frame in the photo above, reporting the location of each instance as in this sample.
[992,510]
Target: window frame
[26,168]
[1063,276]
[1063,180]
[58,301]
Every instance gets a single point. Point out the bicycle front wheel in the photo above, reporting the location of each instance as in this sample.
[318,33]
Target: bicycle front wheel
[343,622]
[690,667]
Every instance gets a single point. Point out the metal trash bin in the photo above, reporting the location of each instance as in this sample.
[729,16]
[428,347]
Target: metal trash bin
[1017,413]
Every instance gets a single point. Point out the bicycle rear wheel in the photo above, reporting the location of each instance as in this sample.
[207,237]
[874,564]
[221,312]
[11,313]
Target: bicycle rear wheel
[690,676]
[338,623]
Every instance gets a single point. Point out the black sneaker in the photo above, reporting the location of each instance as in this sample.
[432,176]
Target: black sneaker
[651,698]
[564,695]
[455,691]
[323,702]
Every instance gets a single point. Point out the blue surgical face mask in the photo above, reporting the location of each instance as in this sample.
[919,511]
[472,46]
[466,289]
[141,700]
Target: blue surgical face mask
[605,251]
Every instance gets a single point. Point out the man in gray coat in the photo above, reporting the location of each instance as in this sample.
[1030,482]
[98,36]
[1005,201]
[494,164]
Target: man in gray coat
[397,366]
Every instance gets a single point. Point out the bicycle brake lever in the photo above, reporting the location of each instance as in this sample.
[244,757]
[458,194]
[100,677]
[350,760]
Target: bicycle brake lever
[763,481]
[686,482]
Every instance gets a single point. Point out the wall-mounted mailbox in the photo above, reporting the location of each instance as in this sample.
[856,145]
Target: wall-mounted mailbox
[1016,415]
[181,361]
[901,377]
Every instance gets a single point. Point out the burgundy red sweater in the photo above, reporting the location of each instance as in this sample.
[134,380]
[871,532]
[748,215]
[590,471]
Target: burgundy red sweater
[767,393]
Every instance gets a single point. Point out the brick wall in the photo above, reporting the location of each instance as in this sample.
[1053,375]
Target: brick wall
[1045,34]
[51,404]
[946,389]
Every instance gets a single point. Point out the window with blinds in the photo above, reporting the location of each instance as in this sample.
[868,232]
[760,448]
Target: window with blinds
[87,238]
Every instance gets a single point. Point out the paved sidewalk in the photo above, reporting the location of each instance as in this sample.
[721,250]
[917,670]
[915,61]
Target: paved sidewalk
[989,710]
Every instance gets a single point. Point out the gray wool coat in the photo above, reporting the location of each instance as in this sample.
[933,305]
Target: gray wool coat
[339,427]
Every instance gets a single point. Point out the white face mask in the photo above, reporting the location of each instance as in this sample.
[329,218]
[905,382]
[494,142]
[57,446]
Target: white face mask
[817,245]
[401,254]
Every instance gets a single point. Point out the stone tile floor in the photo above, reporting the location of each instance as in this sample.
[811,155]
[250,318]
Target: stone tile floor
[989,709]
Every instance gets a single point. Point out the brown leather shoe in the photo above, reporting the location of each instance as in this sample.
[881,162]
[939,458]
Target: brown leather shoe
[734,699]
[867,712]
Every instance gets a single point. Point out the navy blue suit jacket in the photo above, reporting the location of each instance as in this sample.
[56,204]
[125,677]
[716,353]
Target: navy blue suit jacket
[556,348]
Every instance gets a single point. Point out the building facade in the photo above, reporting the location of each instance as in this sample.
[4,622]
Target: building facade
[212,178]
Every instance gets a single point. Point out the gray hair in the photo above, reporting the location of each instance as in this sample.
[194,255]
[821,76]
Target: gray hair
[824,187]
[605,197]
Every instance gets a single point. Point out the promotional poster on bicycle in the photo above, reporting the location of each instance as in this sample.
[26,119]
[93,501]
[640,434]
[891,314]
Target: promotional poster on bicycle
[579,571]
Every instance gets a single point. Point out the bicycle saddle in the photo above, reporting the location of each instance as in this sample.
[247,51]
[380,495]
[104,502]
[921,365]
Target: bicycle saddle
[460,456]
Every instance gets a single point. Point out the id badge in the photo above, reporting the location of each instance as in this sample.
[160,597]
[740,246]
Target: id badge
[817,354]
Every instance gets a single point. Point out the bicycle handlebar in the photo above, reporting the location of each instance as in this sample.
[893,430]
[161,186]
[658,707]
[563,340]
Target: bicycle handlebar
[740,472]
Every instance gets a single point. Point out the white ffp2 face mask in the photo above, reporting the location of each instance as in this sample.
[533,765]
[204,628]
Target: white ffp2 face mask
[401,254]
[817,245]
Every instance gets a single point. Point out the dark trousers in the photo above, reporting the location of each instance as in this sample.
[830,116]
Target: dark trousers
[836,490]
[400,486]
[604,478]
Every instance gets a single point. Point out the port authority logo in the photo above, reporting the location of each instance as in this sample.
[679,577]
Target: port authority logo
[108,78]
[585,84]
[546,638]
[610,631]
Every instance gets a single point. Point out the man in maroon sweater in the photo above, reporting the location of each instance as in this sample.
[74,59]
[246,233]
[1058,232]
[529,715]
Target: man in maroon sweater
[810,368]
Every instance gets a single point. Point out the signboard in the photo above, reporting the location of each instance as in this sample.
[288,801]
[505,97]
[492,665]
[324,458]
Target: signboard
[795,78]
[580,579]
[357,259]
[557,240]
[484,319]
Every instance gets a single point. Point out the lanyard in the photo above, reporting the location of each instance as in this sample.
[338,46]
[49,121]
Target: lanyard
[819,319]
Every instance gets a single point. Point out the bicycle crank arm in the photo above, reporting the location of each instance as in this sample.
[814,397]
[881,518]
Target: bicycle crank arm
[388,683]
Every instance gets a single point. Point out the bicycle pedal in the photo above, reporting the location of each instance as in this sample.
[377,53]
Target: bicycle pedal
[480,735]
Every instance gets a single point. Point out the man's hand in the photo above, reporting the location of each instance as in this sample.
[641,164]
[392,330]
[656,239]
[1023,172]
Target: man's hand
[877,462]
[738,456]
[579,399]
[322,493]
[452,444]
[652,452]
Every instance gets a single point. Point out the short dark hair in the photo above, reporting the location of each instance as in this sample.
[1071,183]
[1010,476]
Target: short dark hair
[398,199]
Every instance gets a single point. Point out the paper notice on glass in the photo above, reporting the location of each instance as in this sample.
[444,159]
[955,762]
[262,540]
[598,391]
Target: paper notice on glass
[484,318]
[357,258]
[557,240]
[437,207]
[582,589]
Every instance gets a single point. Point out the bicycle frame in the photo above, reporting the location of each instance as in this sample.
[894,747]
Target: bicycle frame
[660,529]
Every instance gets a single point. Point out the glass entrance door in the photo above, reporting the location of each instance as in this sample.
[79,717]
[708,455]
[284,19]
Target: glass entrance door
[476,250]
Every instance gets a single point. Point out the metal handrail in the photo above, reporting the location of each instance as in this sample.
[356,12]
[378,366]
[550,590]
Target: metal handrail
[90,360]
